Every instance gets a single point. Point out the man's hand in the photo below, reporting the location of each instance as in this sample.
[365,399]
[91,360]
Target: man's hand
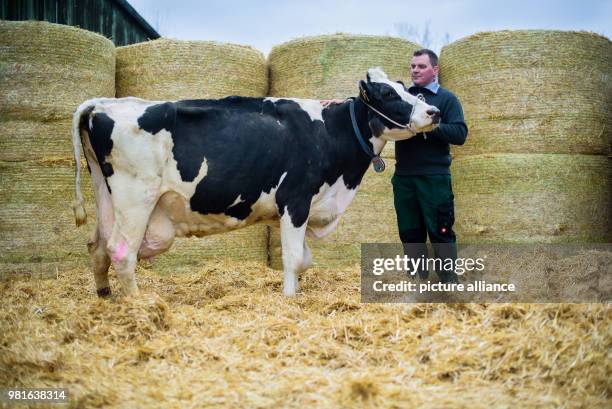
[328,102]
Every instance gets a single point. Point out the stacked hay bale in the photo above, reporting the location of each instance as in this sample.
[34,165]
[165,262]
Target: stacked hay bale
[173,69]
[539,108]
[46,71]
[170,70]
[331,66]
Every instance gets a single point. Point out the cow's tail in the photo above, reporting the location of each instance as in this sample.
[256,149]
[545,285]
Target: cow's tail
[79,123]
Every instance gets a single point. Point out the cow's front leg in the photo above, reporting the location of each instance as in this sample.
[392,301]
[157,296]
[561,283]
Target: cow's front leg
[292,241]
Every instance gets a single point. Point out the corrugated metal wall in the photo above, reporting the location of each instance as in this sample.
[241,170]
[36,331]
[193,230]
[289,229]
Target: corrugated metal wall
[115,19]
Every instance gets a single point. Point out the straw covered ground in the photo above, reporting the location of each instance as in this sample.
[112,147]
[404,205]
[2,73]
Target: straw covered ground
[225,336]
[521,91]
[168,69]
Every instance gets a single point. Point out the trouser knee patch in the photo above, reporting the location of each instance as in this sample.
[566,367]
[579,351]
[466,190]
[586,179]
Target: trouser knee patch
[412,236]
[445,219]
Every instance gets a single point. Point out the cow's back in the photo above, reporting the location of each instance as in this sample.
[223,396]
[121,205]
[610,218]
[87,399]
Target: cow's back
[237,157]
[249,146]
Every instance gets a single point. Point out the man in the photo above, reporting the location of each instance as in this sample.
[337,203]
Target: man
[422,190]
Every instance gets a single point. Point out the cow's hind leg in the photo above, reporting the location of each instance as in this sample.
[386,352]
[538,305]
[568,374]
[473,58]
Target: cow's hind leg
[292,241]
[133,204]
[123,246]
[306,258]
[100,262]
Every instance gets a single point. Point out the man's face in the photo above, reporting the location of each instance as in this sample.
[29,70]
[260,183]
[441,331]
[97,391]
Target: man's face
[422,72]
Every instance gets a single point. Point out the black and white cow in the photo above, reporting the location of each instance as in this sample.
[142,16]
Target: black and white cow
[201,167]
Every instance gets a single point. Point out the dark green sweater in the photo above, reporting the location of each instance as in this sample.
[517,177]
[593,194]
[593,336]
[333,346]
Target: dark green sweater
[430,155]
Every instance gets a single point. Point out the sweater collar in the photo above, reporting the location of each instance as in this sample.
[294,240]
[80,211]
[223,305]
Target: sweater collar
[432,86]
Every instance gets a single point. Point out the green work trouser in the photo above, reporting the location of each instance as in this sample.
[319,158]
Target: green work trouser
[424,205]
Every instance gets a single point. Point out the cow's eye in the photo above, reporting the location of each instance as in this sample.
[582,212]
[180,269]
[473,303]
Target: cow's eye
[387,94]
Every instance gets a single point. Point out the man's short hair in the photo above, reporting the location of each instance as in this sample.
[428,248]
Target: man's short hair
[433,57]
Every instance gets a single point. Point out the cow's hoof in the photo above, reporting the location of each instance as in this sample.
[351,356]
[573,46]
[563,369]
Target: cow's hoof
[104,292]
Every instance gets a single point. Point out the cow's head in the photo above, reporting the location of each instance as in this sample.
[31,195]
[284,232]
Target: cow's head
[400,115]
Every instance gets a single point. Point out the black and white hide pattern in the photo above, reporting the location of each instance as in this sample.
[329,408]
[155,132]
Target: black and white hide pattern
[164,169]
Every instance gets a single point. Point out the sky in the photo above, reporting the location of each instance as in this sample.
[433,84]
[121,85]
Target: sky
[263,23]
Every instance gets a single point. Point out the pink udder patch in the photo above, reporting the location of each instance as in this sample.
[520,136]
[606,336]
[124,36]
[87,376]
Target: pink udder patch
[120,252]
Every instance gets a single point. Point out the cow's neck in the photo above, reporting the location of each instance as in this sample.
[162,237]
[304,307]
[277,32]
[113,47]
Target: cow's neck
[363,115]
[353,159]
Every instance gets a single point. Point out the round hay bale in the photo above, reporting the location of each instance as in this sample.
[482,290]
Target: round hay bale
[36,221]
[533,198]
[171,69]
[532,91]
[22,140]
[46,71]
[330,66]
[370,218]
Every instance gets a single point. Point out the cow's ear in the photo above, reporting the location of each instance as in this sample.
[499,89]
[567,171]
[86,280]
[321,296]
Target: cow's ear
[403,85]
[364,91]
[368,77]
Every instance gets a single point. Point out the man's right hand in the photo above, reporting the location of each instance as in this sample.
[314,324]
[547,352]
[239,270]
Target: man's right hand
[328,102]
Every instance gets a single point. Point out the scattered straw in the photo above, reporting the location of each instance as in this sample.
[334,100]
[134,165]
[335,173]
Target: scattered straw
[532,91]
[243,344]
[171,69]
[330,66]
[533,198]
